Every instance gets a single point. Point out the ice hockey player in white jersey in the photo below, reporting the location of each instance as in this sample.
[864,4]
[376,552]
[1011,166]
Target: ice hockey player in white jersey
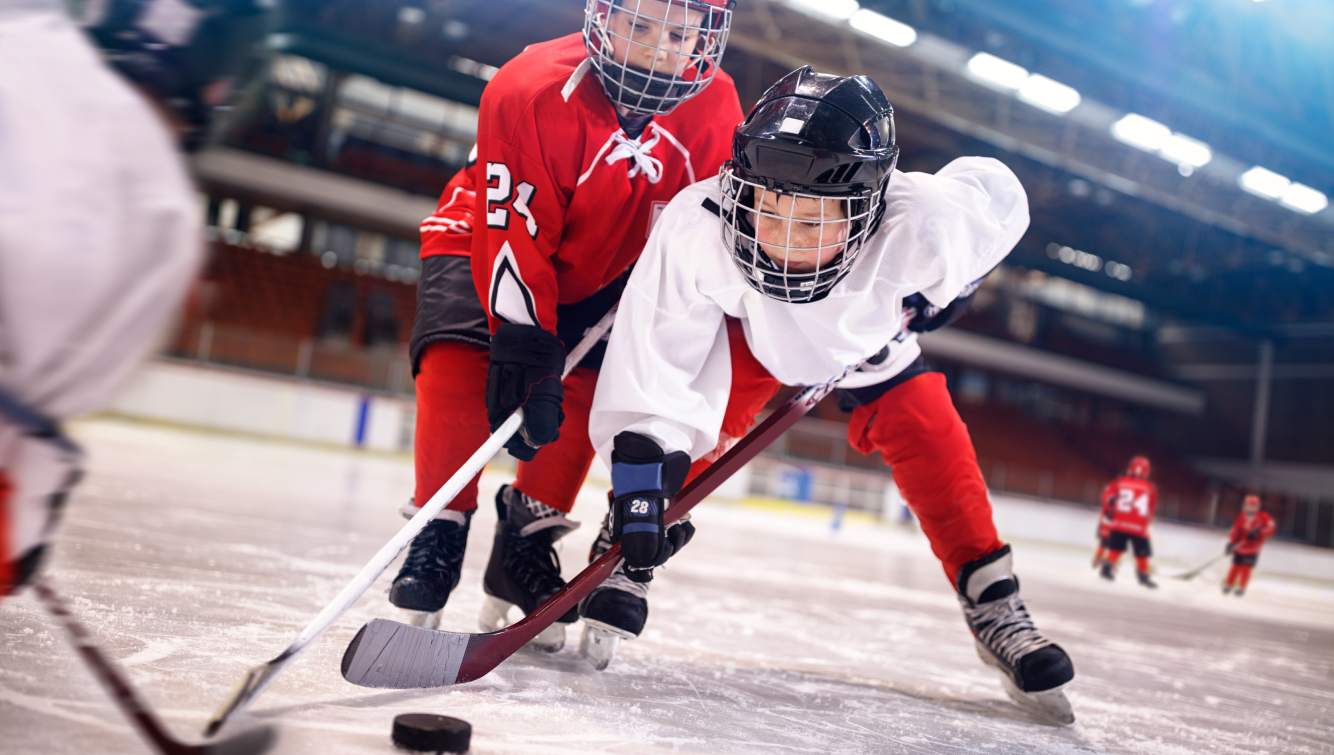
[809,260]
[100,232]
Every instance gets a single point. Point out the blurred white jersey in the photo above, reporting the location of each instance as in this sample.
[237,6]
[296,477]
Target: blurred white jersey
[99,229]
[99,240]
[667,373]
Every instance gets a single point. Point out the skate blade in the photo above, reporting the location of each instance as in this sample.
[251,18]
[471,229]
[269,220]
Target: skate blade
[599,643]
[495,617]
[423,619]
[1049,705]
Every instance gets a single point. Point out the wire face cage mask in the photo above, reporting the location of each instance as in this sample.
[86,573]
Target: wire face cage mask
[630,42]
[790,245]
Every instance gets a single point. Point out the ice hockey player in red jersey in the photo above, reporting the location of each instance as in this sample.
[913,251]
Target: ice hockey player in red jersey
[1248,536]
[582,141]
[1128,504]
[810,261]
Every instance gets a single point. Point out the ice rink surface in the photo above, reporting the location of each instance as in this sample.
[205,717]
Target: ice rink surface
[192,557]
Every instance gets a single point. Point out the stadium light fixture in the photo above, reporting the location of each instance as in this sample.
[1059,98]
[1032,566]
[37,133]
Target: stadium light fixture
[883,28]
[1141,133]
[1047,94]
[997,73]
[1303,199]
[1184,150]
[1264,183]
[839,9]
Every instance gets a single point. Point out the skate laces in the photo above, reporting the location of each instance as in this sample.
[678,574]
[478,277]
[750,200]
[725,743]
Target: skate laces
[441,548]
[533,564]
[1005,627]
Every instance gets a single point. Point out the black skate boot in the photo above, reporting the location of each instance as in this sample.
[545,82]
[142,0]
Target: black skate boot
[524,569]
[1146,580]
[431,570]
[615,611]
[1034,670]
[1227,589]
[1108,571]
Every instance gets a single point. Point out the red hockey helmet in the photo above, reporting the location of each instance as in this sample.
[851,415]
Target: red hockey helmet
[1251,504]
[1139,467]
[651,30]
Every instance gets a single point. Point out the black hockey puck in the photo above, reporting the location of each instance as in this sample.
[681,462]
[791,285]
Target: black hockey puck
[427,732]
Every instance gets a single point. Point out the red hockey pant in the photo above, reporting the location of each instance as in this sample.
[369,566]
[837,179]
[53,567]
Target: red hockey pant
[915,427]
[7,559]
[451,425]
[1239,575]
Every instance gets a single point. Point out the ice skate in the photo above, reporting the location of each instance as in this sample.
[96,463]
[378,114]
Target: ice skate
[1146,580]
[1108,571]
[1240,592]
[1034,670]
[1227,589]
[524,570]
[431,570]
[615,611]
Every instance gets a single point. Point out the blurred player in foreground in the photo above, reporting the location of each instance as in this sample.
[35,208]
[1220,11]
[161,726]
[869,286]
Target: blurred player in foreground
[581,143]
[1248,536]
[99,230]
[810,261]
[1128,504]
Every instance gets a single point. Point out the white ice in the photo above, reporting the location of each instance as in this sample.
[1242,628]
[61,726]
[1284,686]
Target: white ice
[194,556]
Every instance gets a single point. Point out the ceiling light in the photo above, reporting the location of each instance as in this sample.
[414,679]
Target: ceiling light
[1046,94]
[993,71]
[1184,150]
[883,28]
[840,9]
[1143,133]
[1304,199]
[1264,183]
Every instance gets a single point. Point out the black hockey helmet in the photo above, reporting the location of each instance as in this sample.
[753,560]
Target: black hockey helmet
[192,55]
[817,137]
[642,92]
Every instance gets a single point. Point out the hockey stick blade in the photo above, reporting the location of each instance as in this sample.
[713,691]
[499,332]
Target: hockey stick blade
[252,742]
[258,678]
[391,655]
[1193,573]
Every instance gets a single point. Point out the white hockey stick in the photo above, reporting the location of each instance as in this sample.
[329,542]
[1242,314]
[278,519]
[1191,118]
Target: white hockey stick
[257,679]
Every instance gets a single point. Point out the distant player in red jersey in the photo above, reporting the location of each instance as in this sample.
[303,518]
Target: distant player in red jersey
[581,143]
[1249,533]
[1128,504]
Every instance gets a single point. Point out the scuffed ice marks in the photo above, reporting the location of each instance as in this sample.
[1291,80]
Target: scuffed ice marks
[767,635]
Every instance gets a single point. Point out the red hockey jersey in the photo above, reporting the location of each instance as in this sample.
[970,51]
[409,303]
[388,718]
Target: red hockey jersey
[556,201]
[1262,525]
[1128,504]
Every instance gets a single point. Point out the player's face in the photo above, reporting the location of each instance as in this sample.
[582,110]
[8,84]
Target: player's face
[805,232]
[653,35]
[1251,505]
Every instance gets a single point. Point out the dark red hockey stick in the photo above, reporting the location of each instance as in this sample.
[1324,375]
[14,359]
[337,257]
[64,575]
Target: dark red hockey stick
[391,655]
[252,742]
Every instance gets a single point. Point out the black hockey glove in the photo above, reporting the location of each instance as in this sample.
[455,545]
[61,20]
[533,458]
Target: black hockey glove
[526,364]
[1230,549]
[1253,534]
[643,478]
[928,317]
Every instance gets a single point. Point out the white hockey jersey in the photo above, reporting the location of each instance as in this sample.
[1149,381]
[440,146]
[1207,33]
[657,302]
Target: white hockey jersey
[667,372]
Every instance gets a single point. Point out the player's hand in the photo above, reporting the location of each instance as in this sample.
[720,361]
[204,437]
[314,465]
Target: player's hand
[643,479]
[525,370]
[1230,549]
[1253,534]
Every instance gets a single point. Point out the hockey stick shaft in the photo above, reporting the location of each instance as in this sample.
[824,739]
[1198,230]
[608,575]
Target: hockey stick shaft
[1193,573]
[257,679]
[393,655]
[254,742]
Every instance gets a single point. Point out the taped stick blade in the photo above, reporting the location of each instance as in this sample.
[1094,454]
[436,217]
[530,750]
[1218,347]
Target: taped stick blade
[390,655]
